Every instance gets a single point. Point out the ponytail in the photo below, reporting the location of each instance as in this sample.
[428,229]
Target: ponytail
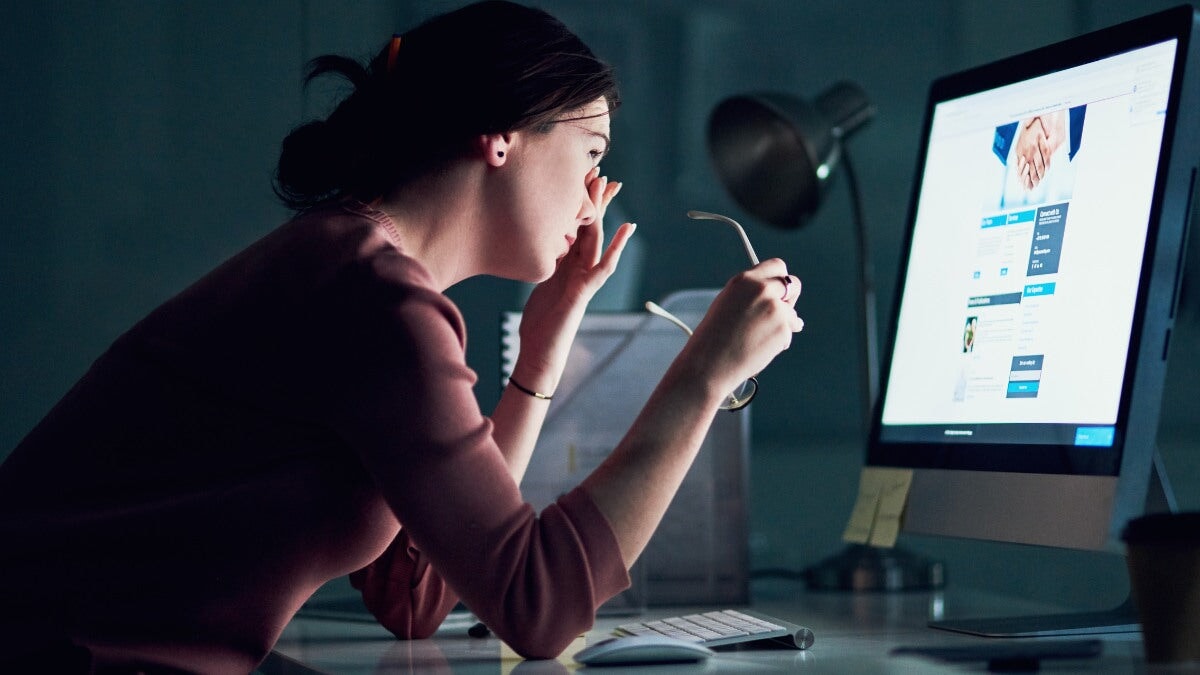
[316,158]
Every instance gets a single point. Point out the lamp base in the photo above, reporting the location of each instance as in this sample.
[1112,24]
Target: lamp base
[859,567]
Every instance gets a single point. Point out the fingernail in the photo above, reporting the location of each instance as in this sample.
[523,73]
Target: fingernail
[632,228]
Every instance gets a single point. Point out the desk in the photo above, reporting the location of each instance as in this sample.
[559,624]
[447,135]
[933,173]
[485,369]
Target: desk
[854,633]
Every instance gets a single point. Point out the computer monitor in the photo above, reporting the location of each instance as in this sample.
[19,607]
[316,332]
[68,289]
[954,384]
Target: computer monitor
[1037,292]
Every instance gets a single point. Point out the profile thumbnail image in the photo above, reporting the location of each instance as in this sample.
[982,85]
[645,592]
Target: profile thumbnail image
[970,329]
[1037,156]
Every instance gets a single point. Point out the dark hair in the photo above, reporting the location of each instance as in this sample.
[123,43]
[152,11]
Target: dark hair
[490,67]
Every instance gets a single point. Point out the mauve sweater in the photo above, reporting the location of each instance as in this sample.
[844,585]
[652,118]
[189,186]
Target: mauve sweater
[302,412]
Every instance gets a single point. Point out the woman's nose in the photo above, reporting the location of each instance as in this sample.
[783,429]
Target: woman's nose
[587,211]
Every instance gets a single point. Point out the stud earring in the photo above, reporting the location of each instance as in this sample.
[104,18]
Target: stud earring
[500,153]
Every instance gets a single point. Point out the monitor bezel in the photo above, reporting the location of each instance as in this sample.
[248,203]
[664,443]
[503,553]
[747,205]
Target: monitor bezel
[1140,399]
[1004,493]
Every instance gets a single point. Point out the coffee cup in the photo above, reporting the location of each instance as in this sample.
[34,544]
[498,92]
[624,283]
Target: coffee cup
[1163,555]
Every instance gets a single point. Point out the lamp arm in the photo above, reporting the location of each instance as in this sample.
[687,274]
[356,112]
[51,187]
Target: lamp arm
[866,298]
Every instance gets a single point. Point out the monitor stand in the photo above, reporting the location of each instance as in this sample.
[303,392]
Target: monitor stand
[859,567]
[1120,619]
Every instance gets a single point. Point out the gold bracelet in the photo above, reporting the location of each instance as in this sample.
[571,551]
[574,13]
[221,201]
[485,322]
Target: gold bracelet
[535,394]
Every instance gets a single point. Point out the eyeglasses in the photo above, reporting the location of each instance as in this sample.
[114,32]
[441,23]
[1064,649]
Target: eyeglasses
[737,399]
[740,397]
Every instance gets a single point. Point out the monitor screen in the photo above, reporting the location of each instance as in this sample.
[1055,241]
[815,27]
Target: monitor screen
[1037,287]
[1018,305]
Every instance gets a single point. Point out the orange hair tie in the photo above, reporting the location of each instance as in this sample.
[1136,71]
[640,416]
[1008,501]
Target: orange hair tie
[393,50]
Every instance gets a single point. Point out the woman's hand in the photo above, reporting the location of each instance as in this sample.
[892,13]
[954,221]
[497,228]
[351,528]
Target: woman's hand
[556,306]
[749,323]
[583,270]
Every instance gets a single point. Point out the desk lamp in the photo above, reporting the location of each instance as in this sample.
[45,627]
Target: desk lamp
[775,154]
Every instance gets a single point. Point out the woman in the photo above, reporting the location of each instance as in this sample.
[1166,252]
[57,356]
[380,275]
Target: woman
[305,410]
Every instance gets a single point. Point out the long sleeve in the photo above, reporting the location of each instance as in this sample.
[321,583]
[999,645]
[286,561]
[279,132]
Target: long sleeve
[403,591]
[400,394]
[410,599]
[307,401]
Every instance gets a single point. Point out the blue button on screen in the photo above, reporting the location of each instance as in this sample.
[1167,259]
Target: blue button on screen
[1094,436]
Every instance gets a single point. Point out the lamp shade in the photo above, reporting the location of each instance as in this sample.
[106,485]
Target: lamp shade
[775,153]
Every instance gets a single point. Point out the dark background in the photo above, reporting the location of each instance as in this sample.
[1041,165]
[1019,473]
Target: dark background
[139,139]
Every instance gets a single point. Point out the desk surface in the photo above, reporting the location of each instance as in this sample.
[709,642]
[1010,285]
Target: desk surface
[854,633]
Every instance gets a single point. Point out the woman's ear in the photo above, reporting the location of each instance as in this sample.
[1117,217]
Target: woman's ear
[495,148]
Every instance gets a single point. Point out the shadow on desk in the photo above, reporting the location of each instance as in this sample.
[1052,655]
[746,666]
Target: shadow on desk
[404,656]
[278,664]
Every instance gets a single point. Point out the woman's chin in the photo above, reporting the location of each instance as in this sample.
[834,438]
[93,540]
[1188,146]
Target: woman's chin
[547,272]
[533,276]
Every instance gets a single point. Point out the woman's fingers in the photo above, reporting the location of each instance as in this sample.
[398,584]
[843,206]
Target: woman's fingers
[610,191]
[612,256]
[601,192]
[769,268]
[779,289]
[592,234]
[775,278]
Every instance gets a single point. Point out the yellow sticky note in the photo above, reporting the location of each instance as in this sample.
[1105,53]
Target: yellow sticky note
[893,496]
[862,518]
[877,514]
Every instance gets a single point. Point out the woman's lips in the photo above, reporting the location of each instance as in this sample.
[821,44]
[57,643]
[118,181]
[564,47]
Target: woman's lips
[570,242]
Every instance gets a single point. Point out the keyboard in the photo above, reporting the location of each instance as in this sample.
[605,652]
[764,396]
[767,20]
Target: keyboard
[724,628]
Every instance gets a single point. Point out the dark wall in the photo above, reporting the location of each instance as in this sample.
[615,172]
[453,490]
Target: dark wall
[139,138]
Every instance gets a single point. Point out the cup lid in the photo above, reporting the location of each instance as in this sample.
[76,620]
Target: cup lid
[1163,528]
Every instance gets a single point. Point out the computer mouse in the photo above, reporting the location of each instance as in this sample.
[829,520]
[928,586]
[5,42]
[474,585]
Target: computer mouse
[641,649]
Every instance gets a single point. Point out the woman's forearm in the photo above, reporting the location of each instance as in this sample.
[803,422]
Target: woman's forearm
[634,486]
[517,422]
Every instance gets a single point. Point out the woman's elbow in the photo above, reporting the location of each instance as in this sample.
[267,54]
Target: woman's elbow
[421,630]
[543,647]
[545,637]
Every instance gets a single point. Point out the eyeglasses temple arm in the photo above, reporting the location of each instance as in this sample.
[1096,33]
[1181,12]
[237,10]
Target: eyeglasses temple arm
[705,215]
[656,309]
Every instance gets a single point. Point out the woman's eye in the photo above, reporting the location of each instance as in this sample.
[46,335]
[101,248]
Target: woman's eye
[595,154]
